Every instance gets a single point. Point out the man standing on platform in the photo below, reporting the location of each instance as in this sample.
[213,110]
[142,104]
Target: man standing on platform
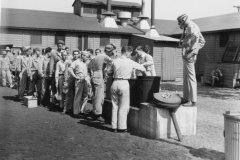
[97,81]
[122,68]
[192,40]
[71,83]
[35,74]
[55,57]
[23,76]
[79,71]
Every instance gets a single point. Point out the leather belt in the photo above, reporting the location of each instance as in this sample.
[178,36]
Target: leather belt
[119,79]
[34,70]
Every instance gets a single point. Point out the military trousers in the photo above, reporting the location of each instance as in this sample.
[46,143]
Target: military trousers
[97,83]
[36,85]
[6,77]
[120,103]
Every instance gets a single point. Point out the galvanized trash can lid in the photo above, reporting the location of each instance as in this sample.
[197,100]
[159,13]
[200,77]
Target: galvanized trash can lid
[167,98]
[234,114]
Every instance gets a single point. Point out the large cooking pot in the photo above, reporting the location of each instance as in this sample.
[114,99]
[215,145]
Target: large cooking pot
[142,89]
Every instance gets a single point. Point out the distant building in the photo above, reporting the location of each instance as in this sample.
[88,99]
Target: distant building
[95,8]
[80,29]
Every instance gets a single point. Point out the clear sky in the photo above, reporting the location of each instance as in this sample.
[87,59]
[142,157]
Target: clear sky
[165,9]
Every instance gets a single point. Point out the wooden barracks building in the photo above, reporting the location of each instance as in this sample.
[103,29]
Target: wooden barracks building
[83,29]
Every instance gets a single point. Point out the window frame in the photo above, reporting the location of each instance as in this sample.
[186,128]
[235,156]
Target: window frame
[223,39]
[60,36]
[104,40]
[36,37]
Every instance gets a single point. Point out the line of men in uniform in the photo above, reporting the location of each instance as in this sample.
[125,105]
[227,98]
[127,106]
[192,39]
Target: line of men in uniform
[74,78]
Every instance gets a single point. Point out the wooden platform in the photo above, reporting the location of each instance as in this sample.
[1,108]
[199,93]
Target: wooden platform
[155,123]
[30,102]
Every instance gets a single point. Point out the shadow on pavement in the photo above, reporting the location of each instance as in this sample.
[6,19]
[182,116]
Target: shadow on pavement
[203,153]
[207,91]
[95,124]
[11,98]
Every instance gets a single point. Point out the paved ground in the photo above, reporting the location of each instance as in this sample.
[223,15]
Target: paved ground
[41,134]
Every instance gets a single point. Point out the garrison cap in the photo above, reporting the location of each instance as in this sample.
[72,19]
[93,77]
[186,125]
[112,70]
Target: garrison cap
[110,47]
[86,53]
[182,17]
[60,42]
[36,49]
[4,52]
[26,48]
[7,49]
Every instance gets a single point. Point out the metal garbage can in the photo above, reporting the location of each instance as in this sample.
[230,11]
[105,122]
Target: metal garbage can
[232,135]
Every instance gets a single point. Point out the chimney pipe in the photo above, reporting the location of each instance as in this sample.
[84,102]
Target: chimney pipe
[152,32]
[142,23]
[153,14]
[109,4]
[143,7]
[108,20]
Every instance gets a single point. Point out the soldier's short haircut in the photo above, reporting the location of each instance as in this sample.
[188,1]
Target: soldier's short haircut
[139,47]
[146,49]
[90,50]
[48,49]
[126,49]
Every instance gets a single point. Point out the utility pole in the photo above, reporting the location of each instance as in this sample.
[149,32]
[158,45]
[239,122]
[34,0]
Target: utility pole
[238,7]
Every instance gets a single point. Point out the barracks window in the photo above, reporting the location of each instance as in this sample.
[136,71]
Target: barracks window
[59,36]
[36,37]
[223,39]
[104,39]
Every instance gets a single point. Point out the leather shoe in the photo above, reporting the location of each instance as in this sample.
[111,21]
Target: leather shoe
[122,130]
[188,104]
[98,118]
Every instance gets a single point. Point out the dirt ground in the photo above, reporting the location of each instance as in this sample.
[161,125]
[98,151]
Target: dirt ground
[37,133]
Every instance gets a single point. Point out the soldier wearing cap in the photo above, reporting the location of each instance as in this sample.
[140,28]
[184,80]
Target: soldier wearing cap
[70,82]
[35,74]
[5,66]
[23,76]
[122,68]
[97,81]
[46,83]
[110,50]
[60,77]
[55,57]
[191,41]
[79,71]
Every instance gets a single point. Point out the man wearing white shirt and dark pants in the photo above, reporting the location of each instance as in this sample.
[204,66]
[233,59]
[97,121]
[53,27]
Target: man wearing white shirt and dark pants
[122,68]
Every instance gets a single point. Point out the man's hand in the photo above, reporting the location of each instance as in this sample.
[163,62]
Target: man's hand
[31,78]
[20,75]
[144,73]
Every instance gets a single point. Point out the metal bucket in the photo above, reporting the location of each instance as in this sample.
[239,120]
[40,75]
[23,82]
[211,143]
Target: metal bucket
[232,135]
